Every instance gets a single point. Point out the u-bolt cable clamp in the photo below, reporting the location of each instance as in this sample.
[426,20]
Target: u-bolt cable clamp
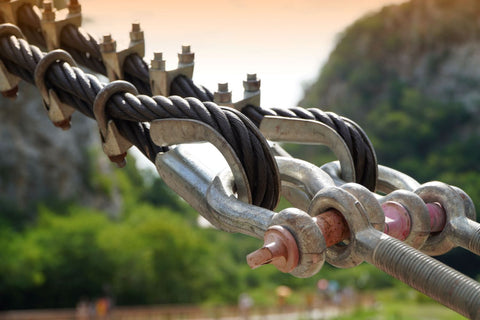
[161,79]
[53,21]
[251,94]
[114,59]
[9,9]
[361,242]
[9,82]
[114,144]
[302,131]
[59,112]
[218,197]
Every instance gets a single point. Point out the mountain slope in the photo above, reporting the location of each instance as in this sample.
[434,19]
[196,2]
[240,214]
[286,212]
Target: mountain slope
[409,74]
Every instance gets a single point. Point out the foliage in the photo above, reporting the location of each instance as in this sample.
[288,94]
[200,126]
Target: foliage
[153,252]
[391,304]
[382,74]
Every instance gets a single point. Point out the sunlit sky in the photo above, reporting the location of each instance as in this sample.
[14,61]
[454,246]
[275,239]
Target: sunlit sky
[284,41]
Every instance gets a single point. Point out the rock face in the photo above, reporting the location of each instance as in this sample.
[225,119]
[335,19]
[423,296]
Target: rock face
[430,45]
[40,161]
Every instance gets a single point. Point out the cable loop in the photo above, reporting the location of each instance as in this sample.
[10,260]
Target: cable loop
[431,192]
[59,113]
[344,255]
[8,29]
[113,143]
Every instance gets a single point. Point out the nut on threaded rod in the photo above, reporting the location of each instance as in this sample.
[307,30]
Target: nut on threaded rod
[136,34]
[222,96]
[158,63]
[186,56]
[279,249]
[48,13]
[108,44]
[252,84]
[74,7]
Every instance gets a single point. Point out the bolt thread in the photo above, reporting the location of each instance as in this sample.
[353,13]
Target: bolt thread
[136,27]
[474,244]
[427,275]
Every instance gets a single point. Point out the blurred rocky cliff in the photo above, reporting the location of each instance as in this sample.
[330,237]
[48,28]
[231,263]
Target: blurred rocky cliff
[409,74]
[40,162]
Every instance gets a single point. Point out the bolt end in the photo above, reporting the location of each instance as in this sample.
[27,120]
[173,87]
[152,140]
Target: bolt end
[64,124]
[223,87]
[252,84]
[108,44]
[186,56]
[74,7]
[48,13]
[136,34]
[158,63]
[279,249]
[11,93]
[119,159]
[259,257]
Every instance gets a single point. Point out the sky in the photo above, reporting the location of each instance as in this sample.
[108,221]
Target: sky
[284,41]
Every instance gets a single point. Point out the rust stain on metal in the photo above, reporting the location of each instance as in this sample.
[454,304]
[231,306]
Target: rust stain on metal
[11,94]
[438,216]
[279,249]
[333,226]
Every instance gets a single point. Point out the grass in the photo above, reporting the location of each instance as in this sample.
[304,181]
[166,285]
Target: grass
[402,303]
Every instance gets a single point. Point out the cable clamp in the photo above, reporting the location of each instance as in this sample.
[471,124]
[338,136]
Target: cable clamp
[251,94]
[53,21]
[114,144]
[59,112]
[9,9]
[8,81]
[161,79]
[114,59]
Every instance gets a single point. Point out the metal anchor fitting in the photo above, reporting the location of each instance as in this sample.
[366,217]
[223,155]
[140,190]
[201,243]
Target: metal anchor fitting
[59,113]
[53,21]
[114,144]
[459,212]
[9,82]
[403,214]
[222,198]
[444,218]
[9,9]
[213,194]
[388,179]
[114,59]
[161,79]
[414,268]
[301,131]
[251,94]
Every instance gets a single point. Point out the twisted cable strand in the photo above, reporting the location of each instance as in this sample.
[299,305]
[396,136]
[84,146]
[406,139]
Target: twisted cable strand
[356,140]
[85,49]
[74,85]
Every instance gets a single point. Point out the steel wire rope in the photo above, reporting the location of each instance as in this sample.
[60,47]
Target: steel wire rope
[85,49]
[80,89]
[357,141]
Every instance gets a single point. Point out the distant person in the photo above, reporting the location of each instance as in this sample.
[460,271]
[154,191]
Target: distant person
[83,310]
[245,303]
